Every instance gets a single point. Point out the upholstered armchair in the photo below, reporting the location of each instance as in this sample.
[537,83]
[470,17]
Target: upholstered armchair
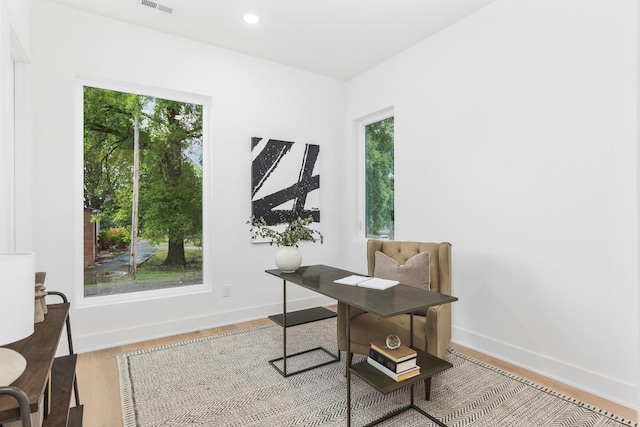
[432,329]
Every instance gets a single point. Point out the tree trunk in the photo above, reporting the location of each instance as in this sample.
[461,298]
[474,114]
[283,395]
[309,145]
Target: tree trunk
[173,163]
[175,255]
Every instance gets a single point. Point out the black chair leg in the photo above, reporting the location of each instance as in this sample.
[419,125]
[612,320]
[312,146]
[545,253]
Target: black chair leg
[427,388]
[349,361]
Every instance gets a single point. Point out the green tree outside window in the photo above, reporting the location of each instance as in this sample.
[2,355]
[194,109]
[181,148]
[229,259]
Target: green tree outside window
[169,189]
[379,179]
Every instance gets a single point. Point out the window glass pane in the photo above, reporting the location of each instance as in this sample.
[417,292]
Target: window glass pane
[379,179]
[142,192]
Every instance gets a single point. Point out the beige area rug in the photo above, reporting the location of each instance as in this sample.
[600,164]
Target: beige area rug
[226,380]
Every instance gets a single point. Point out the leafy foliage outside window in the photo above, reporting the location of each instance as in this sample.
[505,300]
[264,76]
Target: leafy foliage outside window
[170,168]
[379,179]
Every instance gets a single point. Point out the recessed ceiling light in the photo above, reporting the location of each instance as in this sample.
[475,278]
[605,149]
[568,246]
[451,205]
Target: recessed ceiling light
[251,19]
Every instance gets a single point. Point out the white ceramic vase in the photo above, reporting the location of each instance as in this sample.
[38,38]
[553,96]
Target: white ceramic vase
[288,259]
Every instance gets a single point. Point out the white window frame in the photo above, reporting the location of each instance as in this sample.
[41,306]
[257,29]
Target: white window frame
[361,124]
[205,101]
[15,143]
[8,160]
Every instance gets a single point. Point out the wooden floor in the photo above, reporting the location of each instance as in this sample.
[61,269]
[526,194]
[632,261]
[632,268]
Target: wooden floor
[98,382]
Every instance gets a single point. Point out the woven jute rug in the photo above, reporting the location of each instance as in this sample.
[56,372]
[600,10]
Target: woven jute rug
[226,380]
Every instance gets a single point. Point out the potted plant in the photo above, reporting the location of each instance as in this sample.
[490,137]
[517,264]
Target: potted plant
[288,257]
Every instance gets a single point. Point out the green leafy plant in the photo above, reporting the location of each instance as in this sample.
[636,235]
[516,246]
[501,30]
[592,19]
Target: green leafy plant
[298,230]
[114,239]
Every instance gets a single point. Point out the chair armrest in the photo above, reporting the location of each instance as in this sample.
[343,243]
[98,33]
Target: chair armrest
[341,322]
[438,329]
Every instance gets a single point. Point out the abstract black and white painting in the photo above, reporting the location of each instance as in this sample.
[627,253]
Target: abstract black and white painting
[285,181]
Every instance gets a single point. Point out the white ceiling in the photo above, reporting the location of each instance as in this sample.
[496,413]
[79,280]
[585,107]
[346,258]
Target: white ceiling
[336,38]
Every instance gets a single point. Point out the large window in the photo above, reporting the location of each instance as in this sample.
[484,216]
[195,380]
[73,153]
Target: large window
[379,179]
[143,180]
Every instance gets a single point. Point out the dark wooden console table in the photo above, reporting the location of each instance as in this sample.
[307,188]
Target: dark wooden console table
[48,380]
[399,299]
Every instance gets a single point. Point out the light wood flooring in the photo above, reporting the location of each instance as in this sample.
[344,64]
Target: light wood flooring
[97,374]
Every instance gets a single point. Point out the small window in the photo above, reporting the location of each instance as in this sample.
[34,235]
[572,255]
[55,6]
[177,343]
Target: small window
[379,179]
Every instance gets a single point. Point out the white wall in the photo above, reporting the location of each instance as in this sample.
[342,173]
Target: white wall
[637,172]
[248,97]
[15,143]
[516,142]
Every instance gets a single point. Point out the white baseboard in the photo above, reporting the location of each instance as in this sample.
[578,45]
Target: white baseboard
[623,393]
[113,338]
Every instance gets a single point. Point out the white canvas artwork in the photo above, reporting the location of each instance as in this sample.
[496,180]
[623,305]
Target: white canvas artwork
[285,182]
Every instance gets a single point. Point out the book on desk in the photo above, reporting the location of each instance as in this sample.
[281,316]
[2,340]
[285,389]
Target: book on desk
[367,282]
[397,376]
[399,364]
[391,364]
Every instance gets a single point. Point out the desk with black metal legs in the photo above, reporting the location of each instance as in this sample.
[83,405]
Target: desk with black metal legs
[294,319]
[399,299]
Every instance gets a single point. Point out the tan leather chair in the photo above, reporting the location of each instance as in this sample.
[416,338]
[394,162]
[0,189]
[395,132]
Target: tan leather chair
[432,332]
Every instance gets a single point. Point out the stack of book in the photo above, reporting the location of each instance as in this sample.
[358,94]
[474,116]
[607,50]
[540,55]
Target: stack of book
[399,364]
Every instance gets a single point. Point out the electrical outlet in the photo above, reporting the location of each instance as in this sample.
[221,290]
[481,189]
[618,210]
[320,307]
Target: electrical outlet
[226,290]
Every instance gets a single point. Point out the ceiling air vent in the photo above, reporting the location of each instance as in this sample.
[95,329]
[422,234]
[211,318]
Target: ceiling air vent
[157,6]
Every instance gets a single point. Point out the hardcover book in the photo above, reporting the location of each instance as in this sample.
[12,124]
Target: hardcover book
[400,376]
[390,364]
[399,354]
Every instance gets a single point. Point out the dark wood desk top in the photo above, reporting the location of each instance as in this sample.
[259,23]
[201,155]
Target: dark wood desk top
[384,303]
[39,350]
